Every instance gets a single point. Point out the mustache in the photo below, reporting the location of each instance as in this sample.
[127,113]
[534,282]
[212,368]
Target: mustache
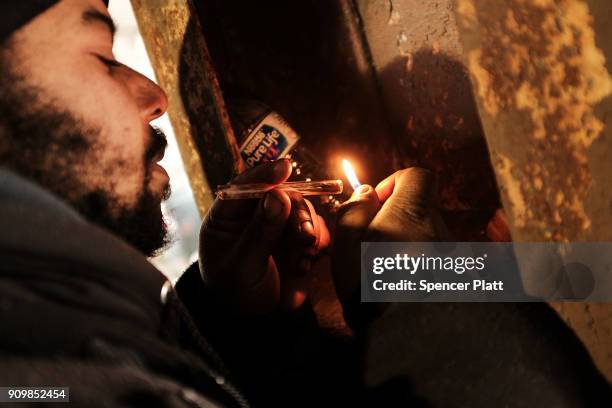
[158,142]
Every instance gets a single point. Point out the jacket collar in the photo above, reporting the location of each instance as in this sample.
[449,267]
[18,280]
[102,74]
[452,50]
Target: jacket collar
[37,224]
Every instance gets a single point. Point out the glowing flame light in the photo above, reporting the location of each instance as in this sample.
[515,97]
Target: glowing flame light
[350,174]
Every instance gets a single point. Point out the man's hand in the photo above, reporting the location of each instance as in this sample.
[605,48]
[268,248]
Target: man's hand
[256,255]
[401,208]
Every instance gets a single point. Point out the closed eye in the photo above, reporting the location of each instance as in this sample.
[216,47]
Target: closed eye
[110,63]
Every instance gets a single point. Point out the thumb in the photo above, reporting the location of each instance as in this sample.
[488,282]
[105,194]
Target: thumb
[406,215]
[354,216]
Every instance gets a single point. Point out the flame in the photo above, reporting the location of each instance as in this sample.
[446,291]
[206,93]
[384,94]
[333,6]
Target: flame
[350,174]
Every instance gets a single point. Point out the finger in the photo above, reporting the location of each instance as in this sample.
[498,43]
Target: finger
[298,255]
[384,189]
[323,235]
[407,211]
[356,214]
[262,235]
[305,225]
[354,217]
[268,173]
[414,189]
[315,221]
[274,172]
[301,223]
[309,254]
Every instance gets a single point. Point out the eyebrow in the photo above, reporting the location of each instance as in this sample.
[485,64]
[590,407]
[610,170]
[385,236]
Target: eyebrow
[94,16]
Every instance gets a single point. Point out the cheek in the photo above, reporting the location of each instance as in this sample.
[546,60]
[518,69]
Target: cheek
[105,104]
[102,103]
[123,134]
[119,167]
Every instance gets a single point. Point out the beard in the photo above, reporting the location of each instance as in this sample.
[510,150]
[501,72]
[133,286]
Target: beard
[57,150]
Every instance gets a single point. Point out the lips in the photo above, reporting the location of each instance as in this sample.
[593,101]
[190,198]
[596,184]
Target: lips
[159,156]
[156,168]
[157,145]
[159,179]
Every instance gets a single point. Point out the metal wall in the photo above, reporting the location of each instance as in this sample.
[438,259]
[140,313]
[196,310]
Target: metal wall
[541,73]
[488,93]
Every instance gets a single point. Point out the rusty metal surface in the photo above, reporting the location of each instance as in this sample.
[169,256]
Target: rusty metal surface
[398,93]
[540,70]
[544,92]
[180,58]
[308,62]
[417,56]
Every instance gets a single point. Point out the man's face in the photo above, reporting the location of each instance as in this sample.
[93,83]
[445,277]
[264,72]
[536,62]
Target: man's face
[77,122]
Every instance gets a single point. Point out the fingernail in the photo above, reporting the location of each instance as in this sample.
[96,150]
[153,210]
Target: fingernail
[363,189]
[307,228]
[272,207]
[360,191]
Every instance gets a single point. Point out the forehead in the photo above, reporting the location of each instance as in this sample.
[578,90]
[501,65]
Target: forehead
[73,9]
[59,36]
[17,16]
[68,16]
[77,6]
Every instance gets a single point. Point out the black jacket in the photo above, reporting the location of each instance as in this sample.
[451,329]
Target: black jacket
[80,308]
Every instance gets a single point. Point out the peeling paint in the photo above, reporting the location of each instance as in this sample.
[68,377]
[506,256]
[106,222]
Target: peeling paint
[429,99]
[512,185]
[543,95]
[183,68]
[540,59]
[485,81]
[394,15]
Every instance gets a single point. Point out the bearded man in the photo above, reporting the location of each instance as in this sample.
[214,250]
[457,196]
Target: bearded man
[80,306]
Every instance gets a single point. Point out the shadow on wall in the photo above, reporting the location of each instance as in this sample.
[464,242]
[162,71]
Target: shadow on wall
[434,118]
[311,74]
[306,61]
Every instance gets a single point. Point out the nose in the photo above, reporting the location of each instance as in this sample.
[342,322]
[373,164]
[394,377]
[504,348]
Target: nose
[152,100]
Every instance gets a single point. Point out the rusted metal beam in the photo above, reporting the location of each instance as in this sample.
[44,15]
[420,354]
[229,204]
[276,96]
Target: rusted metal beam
[540,71]
[179,55]
[426,90]
[307,61]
